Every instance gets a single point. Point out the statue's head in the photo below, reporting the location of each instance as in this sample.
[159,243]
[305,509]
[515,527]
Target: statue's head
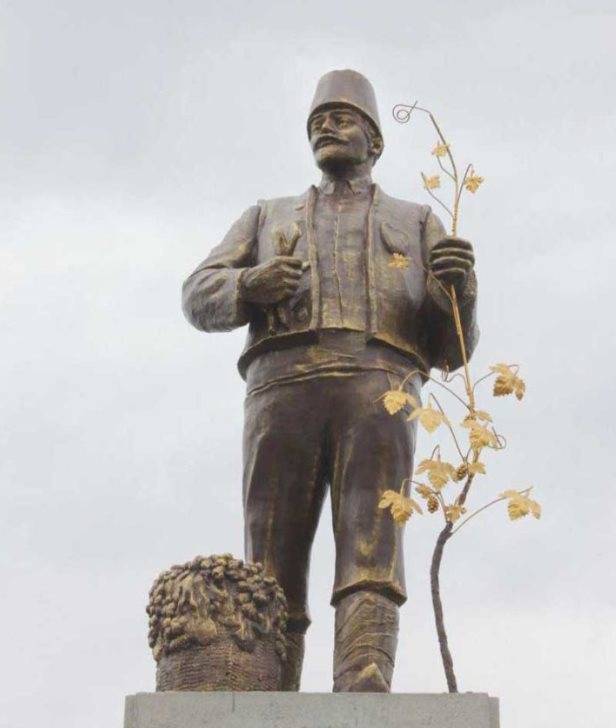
[343,123]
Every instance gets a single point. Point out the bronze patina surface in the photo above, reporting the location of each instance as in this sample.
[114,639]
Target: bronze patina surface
[332,325]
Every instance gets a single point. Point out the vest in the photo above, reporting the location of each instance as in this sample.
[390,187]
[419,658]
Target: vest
[394,296]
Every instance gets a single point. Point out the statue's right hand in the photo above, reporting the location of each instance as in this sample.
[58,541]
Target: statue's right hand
[272,281]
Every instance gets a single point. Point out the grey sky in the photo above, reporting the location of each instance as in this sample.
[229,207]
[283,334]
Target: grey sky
[133,134]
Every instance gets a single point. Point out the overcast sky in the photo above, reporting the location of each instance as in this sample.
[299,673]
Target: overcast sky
[133,133]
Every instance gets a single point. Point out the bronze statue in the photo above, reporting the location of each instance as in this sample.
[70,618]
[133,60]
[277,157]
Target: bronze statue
[333,324]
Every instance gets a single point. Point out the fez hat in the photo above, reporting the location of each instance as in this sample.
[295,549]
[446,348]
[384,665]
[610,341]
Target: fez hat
[350,89]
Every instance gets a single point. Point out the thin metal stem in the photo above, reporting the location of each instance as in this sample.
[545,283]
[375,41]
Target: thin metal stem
[448,425]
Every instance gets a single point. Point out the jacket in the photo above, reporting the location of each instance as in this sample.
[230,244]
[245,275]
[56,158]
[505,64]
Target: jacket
[407,310]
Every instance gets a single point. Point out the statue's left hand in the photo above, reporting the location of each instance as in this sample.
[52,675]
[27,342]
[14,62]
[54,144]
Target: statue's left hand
[451,261]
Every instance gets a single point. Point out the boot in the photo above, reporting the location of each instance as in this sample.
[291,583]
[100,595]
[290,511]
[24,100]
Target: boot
[365,643]
[292,668]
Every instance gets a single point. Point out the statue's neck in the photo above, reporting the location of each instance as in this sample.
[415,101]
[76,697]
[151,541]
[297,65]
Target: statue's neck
[350,173]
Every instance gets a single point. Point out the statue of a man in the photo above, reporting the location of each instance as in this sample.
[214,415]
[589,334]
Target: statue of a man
[332,326]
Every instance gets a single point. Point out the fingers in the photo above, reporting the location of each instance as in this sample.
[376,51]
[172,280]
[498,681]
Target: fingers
[451,242]
[288,260]
[450,262]
[459,253]
[288,272]
[287,266]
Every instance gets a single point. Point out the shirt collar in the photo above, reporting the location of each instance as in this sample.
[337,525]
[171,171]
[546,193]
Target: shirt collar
[329,185]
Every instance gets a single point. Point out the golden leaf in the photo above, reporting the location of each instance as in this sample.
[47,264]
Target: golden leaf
[453,513]
[521,505]
[507,381]
[429,418]
[477,467]
[438,472]
[473,181]
[396,399]
[520,388]
[431,183]
[440,149]
[399,261]
[424,491]
[400,506]
[482,415]
[479,436]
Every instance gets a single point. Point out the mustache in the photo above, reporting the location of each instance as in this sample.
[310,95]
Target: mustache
[326,139]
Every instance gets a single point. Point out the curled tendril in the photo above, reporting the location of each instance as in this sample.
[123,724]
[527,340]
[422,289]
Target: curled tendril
[402,112]
[448,376]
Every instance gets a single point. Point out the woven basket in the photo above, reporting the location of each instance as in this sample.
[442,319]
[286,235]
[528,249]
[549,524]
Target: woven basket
[221,666]
[217,624]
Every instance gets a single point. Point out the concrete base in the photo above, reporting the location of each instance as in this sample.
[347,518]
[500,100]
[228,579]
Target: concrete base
[310,710]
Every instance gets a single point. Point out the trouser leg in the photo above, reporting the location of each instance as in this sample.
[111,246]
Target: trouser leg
[284,487]
[365,644]
[372,452]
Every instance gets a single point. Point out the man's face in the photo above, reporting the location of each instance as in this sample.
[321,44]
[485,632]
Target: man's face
[339,138]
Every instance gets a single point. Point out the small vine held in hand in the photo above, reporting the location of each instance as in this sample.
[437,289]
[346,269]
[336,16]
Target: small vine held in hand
[447,485]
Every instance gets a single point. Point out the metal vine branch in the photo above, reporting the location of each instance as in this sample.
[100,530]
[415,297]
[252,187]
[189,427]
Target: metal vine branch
[446,486]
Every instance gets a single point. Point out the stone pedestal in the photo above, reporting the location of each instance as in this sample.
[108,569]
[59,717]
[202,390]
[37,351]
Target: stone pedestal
[310,710]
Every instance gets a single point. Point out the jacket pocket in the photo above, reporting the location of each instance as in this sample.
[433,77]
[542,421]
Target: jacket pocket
[394,240]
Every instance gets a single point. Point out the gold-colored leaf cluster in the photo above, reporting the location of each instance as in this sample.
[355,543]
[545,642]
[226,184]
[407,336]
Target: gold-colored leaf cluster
[431,182]
[481,415]
[401,506]
[440,149]
[521,505]
[424,491]
[473,181]
[396,399]
[478,423]
[479,436]
[507,381]
[454,512]
[439,472]
[428,417]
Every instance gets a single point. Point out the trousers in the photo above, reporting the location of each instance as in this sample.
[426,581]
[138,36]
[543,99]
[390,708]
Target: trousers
[308,435]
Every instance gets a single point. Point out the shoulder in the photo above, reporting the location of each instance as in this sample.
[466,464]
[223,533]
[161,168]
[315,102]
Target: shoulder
[402,208]
[401,212]
[291,203]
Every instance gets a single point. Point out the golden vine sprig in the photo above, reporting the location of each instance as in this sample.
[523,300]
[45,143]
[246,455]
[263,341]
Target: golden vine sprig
[477,424]
[481,436]
[480,431]
[469,180]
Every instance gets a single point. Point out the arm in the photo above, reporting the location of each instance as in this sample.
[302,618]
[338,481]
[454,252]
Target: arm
[222,293]
[443,342]
[211,298]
